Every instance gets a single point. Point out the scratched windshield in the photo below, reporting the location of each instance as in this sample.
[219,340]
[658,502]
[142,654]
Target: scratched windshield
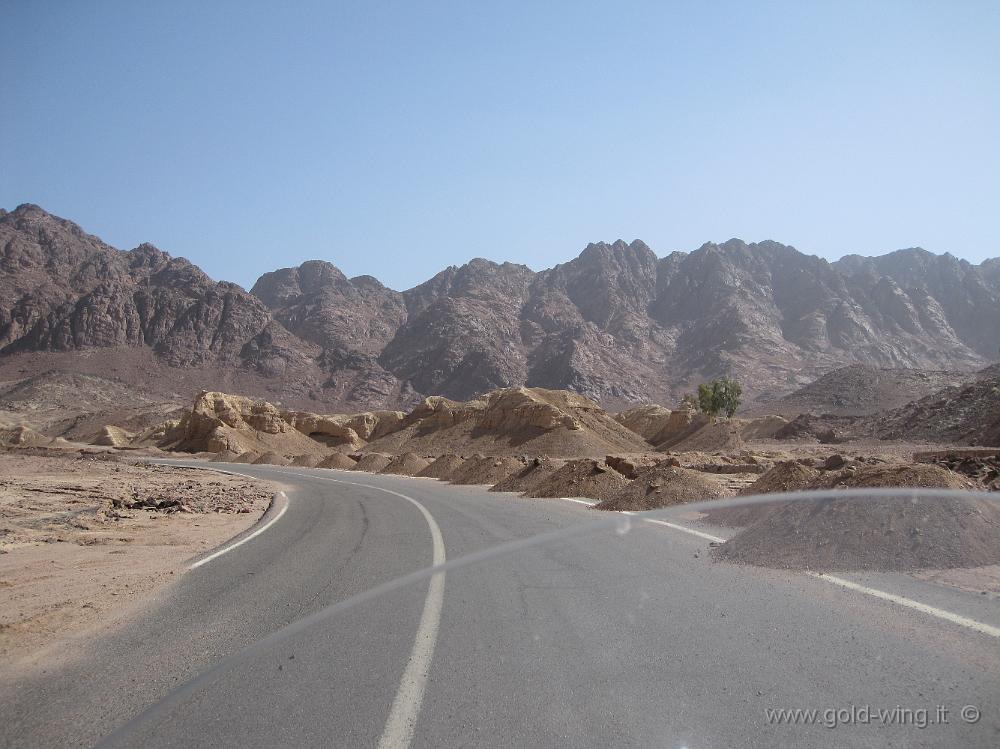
[850,617]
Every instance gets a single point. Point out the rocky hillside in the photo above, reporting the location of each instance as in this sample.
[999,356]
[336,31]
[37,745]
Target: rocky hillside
[967,414]
[858,390]
[617,324]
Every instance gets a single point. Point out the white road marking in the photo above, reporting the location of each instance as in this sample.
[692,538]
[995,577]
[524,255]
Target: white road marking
[398,731]
[909,603]
[242,541]
[964,621]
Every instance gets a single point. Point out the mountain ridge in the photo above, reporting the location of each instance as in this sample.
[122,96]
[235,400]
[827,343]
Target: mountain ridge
[617,323]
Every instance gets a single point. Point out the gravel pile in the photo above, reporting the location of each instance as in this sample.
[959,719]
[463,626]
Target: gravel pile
[271,458]
[581,478]
[372,462]
[407,464]
[662,486]
[443,467]
[486,470]
[337,461]
[306,461]
[868,533]
[535,472]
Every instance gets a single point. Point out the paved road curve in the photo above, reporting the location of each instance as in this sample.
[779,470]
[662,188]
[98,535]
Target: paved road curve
[615,637]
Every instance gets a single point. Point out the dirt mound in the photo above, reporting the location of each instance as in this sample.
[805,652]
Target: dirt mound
[983,468]
[373,462]
[112,436]
[581,478]
[22,436]
[646,421]
[715,436]
[225,457]
[788,476]
[527,478]
[511,422]
[680,424]
[247,457]
[893,476]
[271,458]
[762,428]
[825,429]
[662,486]
[487,470]
[306,461]
[338,461]
[443,467]
[407,464]
[630,466]
[869,533]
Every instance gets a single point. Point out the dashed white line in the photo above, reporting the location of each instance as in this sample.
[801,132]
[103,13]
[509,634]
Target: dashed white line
[963,621]
[243,540]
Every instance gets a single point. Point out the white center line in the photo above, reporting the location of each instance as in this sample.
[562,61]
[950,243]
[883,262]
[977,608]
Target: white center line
[399,728]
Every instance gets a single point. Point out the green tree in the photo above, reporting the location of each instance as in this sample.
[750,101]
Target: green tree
[720,396]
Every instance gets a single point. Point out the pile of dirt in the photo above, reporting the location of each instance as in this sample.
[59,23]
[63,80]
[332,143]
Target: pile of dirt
[630,466]
[983,468]
[513,421]
[893,476]
[306,461]
[825,429]
[867,533]
[22,436]
[337,461]
[681,424]
[531,475]
[443,467]
[407,464]
[764,427]
[716,436]
[112,436]
[787,476]
[581,478]
[247,457]
[662,486]
[271,458]
[373,462]
[486,470]
[646,421]
[226,456]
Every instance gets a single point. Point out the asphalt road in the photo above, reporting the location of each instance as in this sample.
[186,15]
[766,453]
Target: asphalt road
[609,636]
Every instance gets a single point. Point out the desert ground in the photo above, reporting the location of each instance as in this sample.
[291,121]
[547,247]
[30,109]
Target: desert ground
[87,537]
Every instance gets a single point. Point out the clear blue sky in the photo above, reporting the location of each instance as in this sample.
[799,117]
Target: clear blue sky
[398,138]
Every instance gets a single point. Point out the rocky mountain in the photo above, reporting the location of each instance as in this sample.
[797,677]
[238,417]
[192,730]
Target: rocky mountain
[617,323]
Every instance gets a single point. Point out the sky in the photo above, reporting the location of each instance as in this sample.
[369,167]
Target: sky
[395,139]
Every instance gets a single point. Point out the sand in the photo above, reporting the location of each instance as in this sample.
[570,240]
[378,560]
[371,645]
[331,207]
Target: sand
[338,461]
[372,462]
[662,486]
[581,478]
[407,464]
[487,470]
[443,467]
[869,533]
